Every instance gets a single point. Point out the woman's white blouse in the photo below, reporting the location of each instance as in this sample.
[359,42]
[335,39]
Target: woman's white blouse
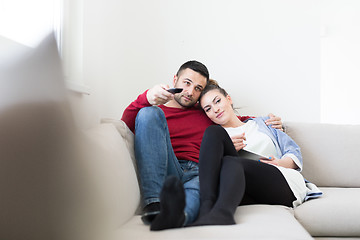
[261,144]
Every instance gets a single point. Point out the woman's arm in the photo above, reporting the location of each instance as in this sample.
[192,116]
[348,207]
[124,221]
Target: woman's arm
[287,162]
[285,145]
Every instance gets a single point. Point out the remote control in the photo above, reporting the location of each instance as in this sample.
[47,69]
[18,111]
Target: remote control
[175,90]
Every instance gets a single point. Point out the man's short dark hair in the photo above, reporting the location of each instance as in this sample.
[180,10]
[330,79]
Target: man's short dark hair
[195,66]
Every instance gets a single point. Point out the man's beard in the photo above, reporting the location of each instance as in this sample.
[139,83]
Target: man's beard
[186,104]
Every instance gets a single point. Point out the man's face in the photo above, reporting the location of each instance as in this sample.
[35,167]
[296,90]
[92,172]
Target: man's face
[192,84]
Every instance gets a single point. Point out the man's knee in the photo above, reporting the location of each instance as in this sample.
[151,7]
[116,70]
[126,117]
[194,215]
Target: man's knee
[149,115]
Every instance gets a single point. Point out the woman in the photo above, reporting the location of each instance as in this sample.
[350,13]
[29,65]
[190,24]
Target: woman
[228,180]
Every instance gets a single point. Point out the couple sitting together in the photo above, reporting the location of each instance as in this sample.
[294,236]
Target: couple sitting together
[187,149]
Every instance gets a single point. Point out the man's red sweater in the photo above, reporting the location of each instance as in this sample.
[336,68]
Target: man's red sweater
[186,126]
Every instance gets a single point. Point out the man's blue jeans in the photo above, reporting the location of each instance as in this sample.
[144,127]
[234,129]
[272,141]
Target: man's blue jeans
[156,160]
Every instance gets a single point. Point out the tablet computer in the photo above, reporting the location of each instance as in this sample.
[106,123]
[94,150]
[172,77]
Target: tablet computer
[249,155]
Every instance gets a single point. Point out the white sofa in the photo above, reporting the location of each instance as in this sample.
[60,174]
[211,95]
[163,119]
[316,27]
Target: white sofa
[330,161]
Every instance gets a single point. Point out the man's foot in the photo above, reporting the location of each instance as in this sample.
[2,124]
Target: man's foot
[150,212]
[172,204]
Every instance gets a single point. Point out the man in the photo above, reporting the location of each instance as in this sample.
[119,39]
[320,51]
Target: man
[168,132]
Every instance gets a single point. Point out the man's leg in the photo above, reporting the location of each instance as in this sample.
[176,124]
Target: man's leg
[192,190]
[180,199]
[172,204]
[154,156]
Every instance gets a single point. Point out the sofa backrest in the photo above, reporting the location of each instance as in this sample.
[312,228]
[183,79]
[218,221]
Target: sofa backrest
[331,152]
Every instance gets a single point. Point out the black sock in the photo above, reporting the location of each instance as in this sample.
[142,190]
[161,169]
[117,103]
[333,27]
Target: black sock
[152,207]
[205,207]
[215,217]
[150,211]
[172,204]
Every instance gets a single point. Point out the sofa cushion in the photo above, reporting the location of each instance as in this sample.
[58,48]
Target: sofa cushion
[336,213]
[113,168]
[330,152]
[253,222]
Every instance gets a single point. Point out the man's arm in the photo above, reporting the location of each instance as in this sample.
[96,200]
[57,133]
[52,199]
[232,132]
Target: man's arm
[274,120]
[154,96]
[158,95]
[132,110]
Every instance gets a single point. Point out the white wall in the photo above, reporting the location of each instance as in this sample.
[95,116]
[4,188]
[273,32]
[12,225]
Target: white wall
[265,53]
[340,61]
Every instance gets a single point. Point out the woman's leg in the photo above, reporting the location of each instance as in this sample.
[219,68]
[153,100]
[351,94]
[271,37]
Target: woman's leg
[244,179]
[265,184]
[215,144]
[222,183]
[231,191]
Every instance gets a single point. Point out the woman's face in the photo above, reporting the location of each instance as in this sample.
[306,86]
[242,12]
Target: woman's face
[217,107]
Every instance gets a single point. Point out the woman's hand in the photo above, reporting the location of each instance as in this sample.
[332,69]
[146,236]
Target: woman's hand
[275,121]
[271,160]
[238,141]
[285,162]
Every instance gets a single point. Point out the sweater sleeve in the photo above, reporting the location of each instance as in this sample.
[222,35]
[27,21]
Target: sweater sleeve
[244,118]
[129,114]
